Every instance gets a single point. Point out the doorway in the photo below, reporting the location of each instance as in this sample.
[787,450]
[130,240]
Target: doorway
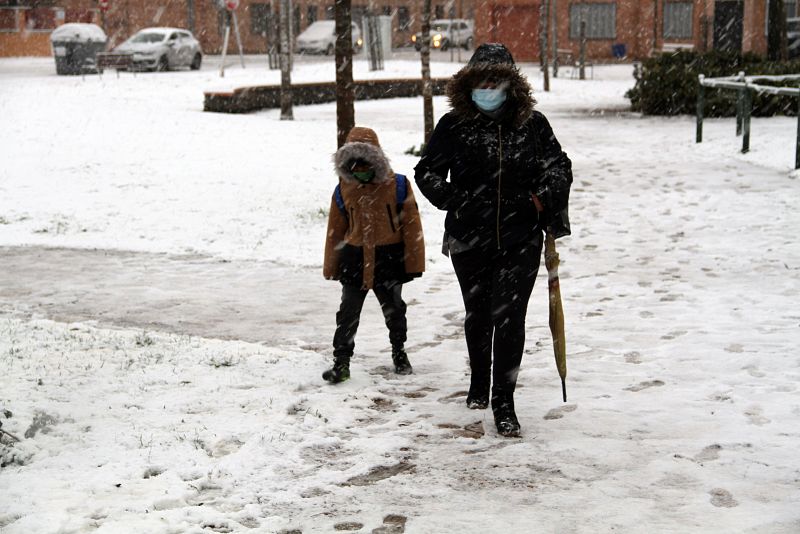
[728,25]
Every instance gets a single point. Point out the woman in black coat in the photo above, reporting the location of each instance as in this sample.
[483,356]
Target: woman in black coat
[508,181]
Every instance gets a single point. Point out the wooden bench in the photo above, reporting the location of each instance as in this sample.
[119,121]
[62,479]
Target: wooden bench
[114,60]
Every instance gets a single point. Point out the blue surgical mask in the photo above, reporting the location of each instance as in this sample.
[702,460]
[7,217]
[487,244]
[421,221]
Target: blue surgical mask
[488,99]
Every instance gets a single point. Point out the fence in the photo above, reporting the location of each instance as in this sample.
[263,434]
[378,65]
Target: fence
[745,86]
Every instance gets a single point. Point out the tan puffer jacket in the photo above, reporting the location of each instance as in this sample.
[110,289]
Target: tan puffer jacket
[375,242]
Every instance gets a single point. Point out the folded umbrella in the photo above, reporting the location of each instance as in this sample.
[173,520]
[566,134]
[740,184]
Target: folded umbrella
[556,311]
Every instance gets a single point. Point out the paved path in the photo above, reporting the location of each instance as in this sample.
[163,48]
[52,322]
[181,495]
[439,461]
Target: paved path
[196,295]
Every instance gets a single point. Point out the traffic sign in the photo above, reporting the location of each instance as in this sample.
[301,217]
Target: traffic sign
[231,4]
[103,5]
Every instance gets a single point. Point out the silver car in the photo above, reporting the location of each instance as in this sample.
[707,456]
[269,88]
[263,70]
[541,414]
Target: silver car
[320,37]
[163,49]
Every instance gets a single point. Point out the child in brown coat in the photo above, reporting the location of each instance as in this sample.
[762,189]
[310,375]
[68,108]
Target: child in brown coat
[375,242]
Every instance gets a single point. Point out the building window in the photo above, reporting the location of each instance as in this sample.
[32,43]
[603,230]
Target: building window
[601,20]
[387,11]
[791,9]
[8,20]
[678,20]
[311,14]
[259,19]
[296,21]
[330,13]
[438,12]
[40,18]
[403,19]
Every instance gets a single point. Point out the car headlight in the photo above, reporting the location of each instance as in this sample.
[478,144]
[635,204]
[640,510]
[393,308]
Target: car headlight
[359,42]
[413,38]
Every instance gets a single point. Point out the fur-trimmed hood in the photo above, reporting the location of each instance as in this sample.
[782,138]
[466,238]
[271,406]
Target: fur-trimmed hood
[492,61]
[349,152]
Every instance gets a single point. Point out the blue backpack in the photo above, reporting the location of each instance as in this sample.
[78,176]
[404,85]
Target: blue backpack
[402,193]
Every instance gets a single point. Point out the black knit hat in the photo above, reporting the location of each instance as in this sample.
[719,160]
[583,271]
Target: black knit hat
[492,54]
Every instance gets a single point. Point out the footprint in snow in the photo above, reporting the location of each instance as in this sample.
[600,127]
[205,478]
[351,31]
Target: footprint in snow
[709,453]
[755,416]
[558,413]
[392,524]
[722,498]
[633,357]
[644,385]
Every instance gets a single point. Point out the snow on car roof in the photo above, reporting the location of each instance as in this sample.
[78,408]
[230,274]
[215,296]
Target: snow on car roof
[163,29]
[78,31]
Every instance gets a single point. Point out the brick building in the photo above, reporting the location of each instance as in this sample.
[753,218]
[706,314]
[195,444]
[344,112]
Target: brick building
[25,25]
[640,27]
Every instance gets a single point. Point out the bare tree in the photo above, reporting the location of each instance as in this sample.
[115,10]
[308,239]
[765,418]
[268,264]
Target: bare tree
[427,86]
[345,94]
[286,74]
[544,17]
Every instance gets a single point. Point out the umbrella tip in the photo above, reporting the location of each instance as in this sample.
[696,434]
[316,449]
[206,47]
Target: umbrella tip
[564,389]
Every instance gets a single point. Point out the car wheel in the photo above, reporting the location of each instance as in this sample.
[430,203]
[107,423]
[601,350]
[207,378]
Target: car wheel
[329,51]
[468,44]
[198,59]
[163,64]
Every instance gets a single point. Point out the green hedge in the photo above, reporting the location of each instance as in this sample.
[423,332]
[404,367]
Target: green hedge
[667,84]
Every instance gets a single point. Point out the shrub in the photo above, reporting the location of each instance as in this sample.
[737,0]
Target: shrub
[667,84]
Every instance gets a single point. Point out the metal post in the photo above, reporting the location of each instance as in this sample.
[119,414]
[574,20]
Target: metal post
[739,106]
[797,143]
[225,43]
[748,103]
[701,97]
[582,59]
[238,37]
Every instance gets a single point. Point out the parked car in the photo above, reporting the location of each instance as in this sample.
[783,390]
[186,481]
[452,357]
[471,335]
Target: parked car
[163,49]
[448,32]
[320,38]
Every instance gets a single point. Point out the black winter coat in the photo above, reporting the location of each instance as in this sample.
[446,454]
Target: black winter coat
[495,167]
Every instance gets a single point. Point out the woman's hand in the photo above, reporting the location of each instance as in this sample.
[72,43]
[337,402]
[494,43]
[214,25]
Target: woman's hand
[537,203]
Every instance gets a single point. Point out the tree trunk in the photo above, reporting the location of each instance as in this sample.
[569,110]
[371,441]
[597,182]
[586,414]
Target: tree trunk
[776,39]
[286,74]
[345,114]
[427,86]
[544,17]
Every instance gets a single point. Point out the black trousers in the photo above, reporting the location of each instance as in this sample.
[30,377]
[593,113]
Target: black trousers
[349,315]
[496,287]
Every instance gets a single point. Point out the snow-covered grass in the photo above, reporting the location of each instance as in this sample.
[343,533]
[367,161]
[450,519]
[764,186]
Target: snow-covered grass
[680,286]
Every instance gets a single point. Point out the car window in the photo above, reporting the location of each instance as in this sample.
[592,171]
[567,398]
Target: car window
[186,35]
[173,36]
[147,37]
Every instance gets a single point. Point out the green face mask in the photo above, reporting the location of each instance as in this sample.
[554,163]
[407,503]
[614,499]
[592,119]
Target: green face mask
[364,176]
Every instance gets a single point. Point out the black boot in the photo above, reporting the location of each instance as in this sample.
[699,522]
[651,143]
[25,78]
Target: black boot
[504,417]
[339,372]
[401,364]
[478,397]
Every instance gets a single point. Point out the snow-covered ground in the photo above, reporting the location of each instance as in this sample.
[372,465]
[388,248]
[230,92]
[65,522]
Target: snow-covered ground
[681,284]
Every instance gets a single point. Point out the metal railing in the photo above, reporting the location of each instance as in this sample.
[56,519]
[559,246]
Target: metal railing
[745,86]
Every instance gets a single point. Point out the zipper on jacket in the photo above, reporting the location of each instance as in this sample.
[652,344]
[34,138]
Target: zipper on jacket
[499,178]
[391,218]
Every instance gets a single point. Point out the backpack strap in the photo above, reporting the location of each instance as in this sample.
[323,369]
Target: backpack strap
[337,197]
[401,183]
[402,190]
